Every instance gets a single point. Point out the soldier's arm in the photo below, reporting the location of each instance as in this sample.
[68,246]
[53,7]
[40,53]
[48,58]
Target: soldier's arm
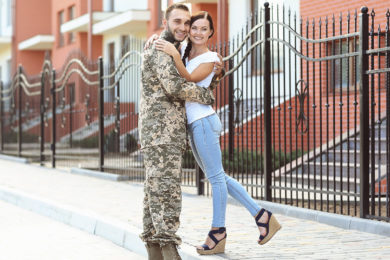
[177,86]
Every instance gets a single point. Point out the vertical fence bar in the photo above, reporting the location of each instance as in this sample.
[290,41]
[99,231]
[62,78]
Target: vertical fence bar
[101,115]
[118,119]
[1,116]
[19,113]
[388,116]
[267,105]
[231,112]
[372,116]
[42,123]
[199,179]
[364,114]
[54,129]
[72,96]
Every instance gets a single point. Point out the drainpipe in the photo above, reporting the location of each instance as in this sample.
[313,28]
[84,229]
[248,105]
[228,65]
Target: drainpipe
[221,20]
[13,37]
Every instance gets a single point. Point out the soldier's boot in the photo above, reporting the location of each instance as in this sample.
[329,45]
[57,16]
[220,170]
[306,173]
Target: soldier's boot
[169,252]
[154,251]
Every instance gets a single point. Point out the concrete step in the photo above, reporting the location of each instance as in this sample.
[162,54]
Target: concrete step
[326,182]
[350,156]
[333,169]
[351,144]
[381,130]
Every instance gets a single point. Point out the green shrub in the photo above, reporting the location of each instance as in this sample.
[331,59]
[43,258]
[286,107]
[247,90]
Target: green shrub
[89,142]
[242,160]
[110,144]
[131,143]
[188,160]
[245,160]
[12,137]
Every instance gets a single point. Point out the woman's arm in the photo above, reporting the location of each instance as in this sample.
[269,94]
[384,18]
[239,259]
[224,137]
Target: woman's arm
[200,73]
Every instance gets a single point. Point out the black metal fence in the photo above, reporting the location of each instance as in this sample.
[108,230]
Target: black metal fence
[303,106]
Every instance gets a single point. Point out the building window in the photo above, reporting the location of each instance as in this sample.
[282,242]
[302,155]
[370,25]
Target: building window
[71,12]
[344,71]
[61,40]
[111,66]
[162,6]
[125,44]
[71,91]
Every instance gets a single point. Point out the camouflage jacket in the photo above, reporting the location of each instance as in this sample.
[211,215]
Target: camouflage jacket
[162,117]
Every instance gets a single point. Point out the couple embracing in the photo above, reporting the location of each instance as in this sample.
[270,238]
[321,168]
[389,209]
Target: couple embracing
[179,73]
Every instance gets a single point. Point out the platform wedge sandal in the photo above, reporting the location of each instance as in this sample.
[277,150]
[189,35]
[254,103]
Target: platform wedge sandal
[272,226]
[219,245]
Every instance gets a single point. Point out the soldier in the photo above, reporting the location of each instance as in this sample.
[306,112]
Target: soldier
[162,126]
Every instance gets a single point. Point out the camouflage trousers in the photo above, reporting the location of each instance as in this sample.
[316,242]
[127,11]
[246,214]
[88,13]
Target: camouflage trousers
[162,201]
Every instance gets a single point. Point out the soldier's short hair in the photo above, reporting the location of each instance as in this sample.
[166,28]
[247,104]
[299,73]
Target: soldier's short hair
[173,7]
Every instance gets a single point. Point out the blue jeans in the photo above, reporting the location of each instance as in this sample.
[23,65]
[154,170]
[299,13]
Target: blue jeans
[204,140]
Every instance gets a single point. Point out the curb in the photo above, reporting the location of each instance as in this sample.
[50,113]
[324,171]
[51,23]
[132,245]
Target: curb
[101,175]
[14,158]
[332,219]
[120,233]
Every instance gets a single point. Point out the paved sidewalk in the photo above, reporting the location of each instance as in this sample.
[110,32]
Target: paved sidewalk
[112,210]
[28,236]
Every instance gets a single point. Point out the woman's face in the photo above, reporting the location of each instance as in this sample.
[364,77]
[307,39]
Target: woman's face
[200,31]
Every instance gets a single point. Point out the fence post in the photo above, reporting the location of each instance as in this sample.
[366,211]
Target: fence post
[19,112]
[231,112]
[267,105]
[199,179]
[364,114]
[54,129]
[1,116]
[42,115]
[101,115]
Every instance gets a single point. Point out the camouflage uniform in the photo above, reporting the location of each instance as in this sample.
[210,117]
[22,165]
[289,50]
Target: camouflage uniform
[162,126]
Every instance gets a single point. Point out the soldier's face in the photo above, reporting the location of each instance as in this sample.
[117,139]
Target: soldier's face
[178,24]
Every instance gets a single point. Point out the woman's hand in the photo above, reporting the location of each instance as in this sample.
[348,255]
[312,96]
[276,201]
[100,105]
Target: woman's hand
[167,47]
[150,41]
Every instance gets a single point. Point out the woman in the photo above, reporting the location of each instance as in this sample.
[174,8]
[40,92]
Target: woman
[196,64]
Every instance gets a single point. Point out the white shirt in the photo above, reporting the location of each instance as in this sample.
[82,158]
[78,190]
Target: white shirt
[196,110]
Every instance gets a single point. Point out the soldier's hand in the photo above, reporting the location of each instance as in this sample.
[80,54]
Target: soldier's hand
[150,41]
[218,67]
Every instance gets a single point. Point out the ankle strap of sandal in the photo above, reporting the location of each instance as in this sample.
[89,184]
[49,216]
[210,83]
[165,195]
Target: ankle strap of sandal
[217,231]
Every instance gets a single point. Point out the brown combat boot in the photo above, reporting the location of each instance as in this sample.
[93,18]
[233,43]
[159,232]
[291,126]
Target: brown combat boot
[154,251]
[169,252]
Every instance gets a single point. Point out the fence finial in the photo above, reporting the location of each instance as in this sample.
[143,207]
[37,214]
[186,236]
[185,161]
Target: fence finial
[364,9]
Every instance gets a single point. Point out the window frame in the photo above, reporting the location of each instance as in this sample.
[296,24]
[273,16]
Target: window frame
[352,63]
[71,16]
[61,36]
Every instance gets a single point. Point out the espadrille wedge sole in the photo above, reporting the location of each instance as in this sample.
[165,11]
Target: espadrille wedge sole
[219,245]
[272,226]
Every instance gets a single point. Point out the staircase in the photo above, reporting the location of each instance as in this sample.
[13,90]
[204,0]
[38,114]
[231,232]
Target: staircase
[338,167]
